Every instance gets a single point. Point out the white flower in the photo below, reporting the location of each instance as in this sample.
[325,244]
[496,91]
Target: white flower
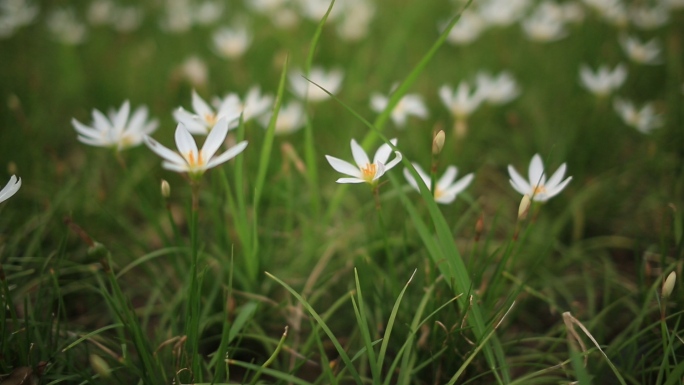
[497,90]
[409,104]
[446,189]
[538,188]
[502,13]
[357,18]
[462,102]
[604,81]
[127,19]
[648,18]
[643,53]
[645,120]
[613,11]
[116,130]
[194,70]
[365,171]
[205,118]
[10,188]
[191,160]
[231,43]
[330,80]
[290,118]
[65,27]
[15,14]
[254,105]
[545,24]
[468,28]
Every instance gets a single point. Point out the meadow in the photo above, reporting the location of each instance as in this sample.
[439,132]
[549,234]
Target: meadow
[357,192]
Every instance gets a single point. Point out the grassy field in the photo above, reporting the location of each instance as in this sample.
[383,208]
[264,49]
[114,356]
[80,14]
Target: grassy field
[264,269]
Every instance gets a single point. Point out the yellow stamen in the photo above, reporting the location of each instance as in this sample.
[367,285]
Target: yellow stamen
[369,171]
[541,189]
[210,119]
[190,157]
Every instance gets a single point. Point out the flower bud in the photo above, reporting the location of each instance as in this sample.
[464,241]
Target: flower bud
[100,366]
[668,285]
[165,188]
[438,142]
[524,207]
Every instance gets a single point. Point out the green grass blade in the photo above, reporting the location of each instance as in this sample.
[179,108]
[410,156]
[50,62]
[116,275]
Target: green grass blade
[324,326]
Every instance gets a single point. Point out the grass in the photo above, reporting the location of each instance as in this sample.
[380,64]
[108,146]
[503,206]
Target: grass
[267,271]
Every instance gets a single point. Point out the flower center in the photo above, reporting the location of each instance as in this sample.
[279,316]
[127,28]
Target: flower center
[539,190]
[192,162]
[210,119]
[369,171]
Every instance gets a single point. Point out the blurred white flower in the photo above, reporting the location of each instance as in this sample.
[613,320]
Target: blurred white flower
[461,103]
[15,14]
[205,118]
[446,189]
[649,17]
[208,12]
[673,4]
[255,104]
[178,17]
[194,70]
[365,171]
[468,28]
[604,81]
[643,53]
[538,188]
[545,24]
[497,90]
[291,118]
[65,27]
[502,13]
[330,80]
[116,130]
[189,159]
[644,120]
[127,18]
[571,12]
[231,43]
[613,11]
[316,9]
[357,16]
[100,11]
[10,188]
[409,104]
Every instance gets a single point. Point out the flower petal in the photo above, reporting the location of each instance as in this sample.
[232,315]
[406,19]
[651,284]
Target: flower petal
[121,117]
[164,152]
[553,191]
[350,180]
[228,155]
[459,186]
[359,155]
[384,151]
[518,182]
[10,188]
[343,166]
[448,178]
[185,142]
[394,161]
[536,171]
[215,139]
[200,106]
[556,177]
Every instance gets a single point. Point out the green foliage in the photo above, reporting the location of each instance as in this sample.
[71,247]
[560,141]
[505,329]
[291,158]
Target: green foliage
[267,271]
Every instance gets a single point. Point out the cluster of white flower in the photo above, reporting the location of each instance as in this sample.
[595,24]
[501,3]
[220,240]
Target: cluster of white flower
[537,187]
[15,14]
[352,18]
[119,132]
